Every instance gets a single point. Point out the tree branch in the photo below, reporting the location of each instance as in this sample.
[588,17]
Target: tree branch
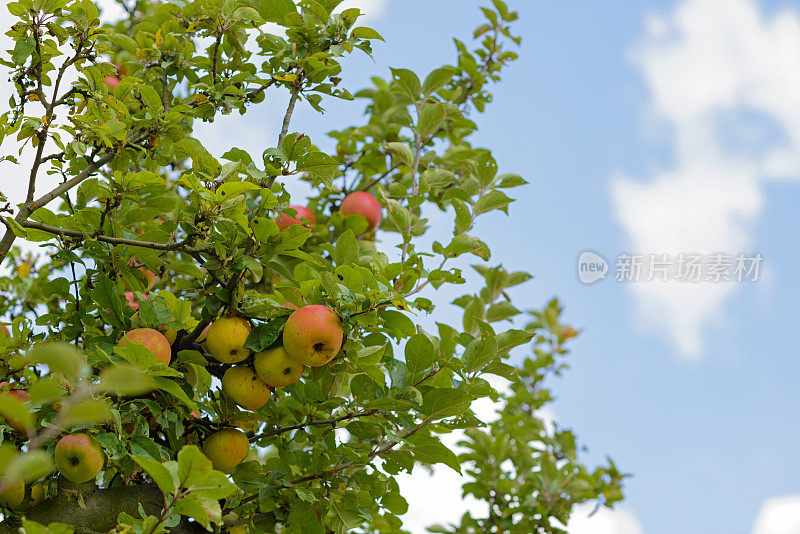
[287,119]
[332,421]
[63,232]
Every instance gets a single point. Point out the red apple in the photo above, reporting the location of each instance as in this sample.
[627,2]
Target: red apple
[112,82]
[313,335]
[364,204]
[4,331]
[304,217]
[152,340]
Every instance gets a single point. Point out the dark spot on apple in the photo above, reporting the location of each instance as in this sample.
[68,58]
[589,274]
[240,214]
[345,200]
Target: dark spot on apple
[340,277]
[74,461]
[287,371]
[234,352]
[319,346]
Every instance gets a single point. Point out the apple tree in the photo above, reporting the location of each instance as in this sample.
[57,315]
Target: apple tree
[191,348]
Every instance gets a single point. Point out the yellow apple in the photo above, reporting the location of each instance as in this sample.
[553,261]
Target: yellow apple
[226,449]
[78,458]
[225,339]
[276,368]
[246,389]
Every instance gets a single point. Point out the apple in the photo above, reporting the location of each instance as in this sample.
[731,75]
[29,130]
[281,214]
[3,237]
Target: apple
[152,340]
[225,339]
[20,396]
[4,331]
[364,204]
[226,449]
[276,368]
[12,493]
[313,335]
[304,216]
[78,458]
[112,82]
[204,334]
[246,389]
[37,495]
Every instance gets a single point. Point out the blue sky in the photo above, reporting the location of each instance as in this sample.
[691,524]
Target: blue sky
[708,429]
[651,126]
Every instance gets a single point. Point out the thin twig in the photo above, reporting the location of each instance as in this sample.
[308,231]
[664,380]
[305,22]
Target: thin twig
[63,232]
[332,421]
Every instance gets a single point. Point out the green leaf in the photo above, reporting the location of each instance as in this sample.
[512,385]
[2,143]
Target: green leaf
[193,467]
[201,509]
[439,403]
[437,79]
[22,50]
[86,412]
[403,152]
[408,82]
[346,251]
[159,474]
[419,353]
[108,303]
[501,311]
[16,228]
[265,334]
[363,32]
[125,380]
[30,466]
[124,42]
[512,338]
[31,527]
[171,387]
[480,352]
[429,450]
[60,357]
[430,117]
[493,200]
[466,243]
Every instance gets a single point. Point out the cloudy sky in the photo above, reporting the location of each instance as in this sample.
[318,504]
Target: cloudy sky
[650,127]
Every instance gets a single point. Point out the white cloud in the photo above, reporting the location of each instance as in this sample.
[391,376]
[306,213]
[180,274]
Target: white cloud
[724,77]
[370,9]
[603,521]
[780,515]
